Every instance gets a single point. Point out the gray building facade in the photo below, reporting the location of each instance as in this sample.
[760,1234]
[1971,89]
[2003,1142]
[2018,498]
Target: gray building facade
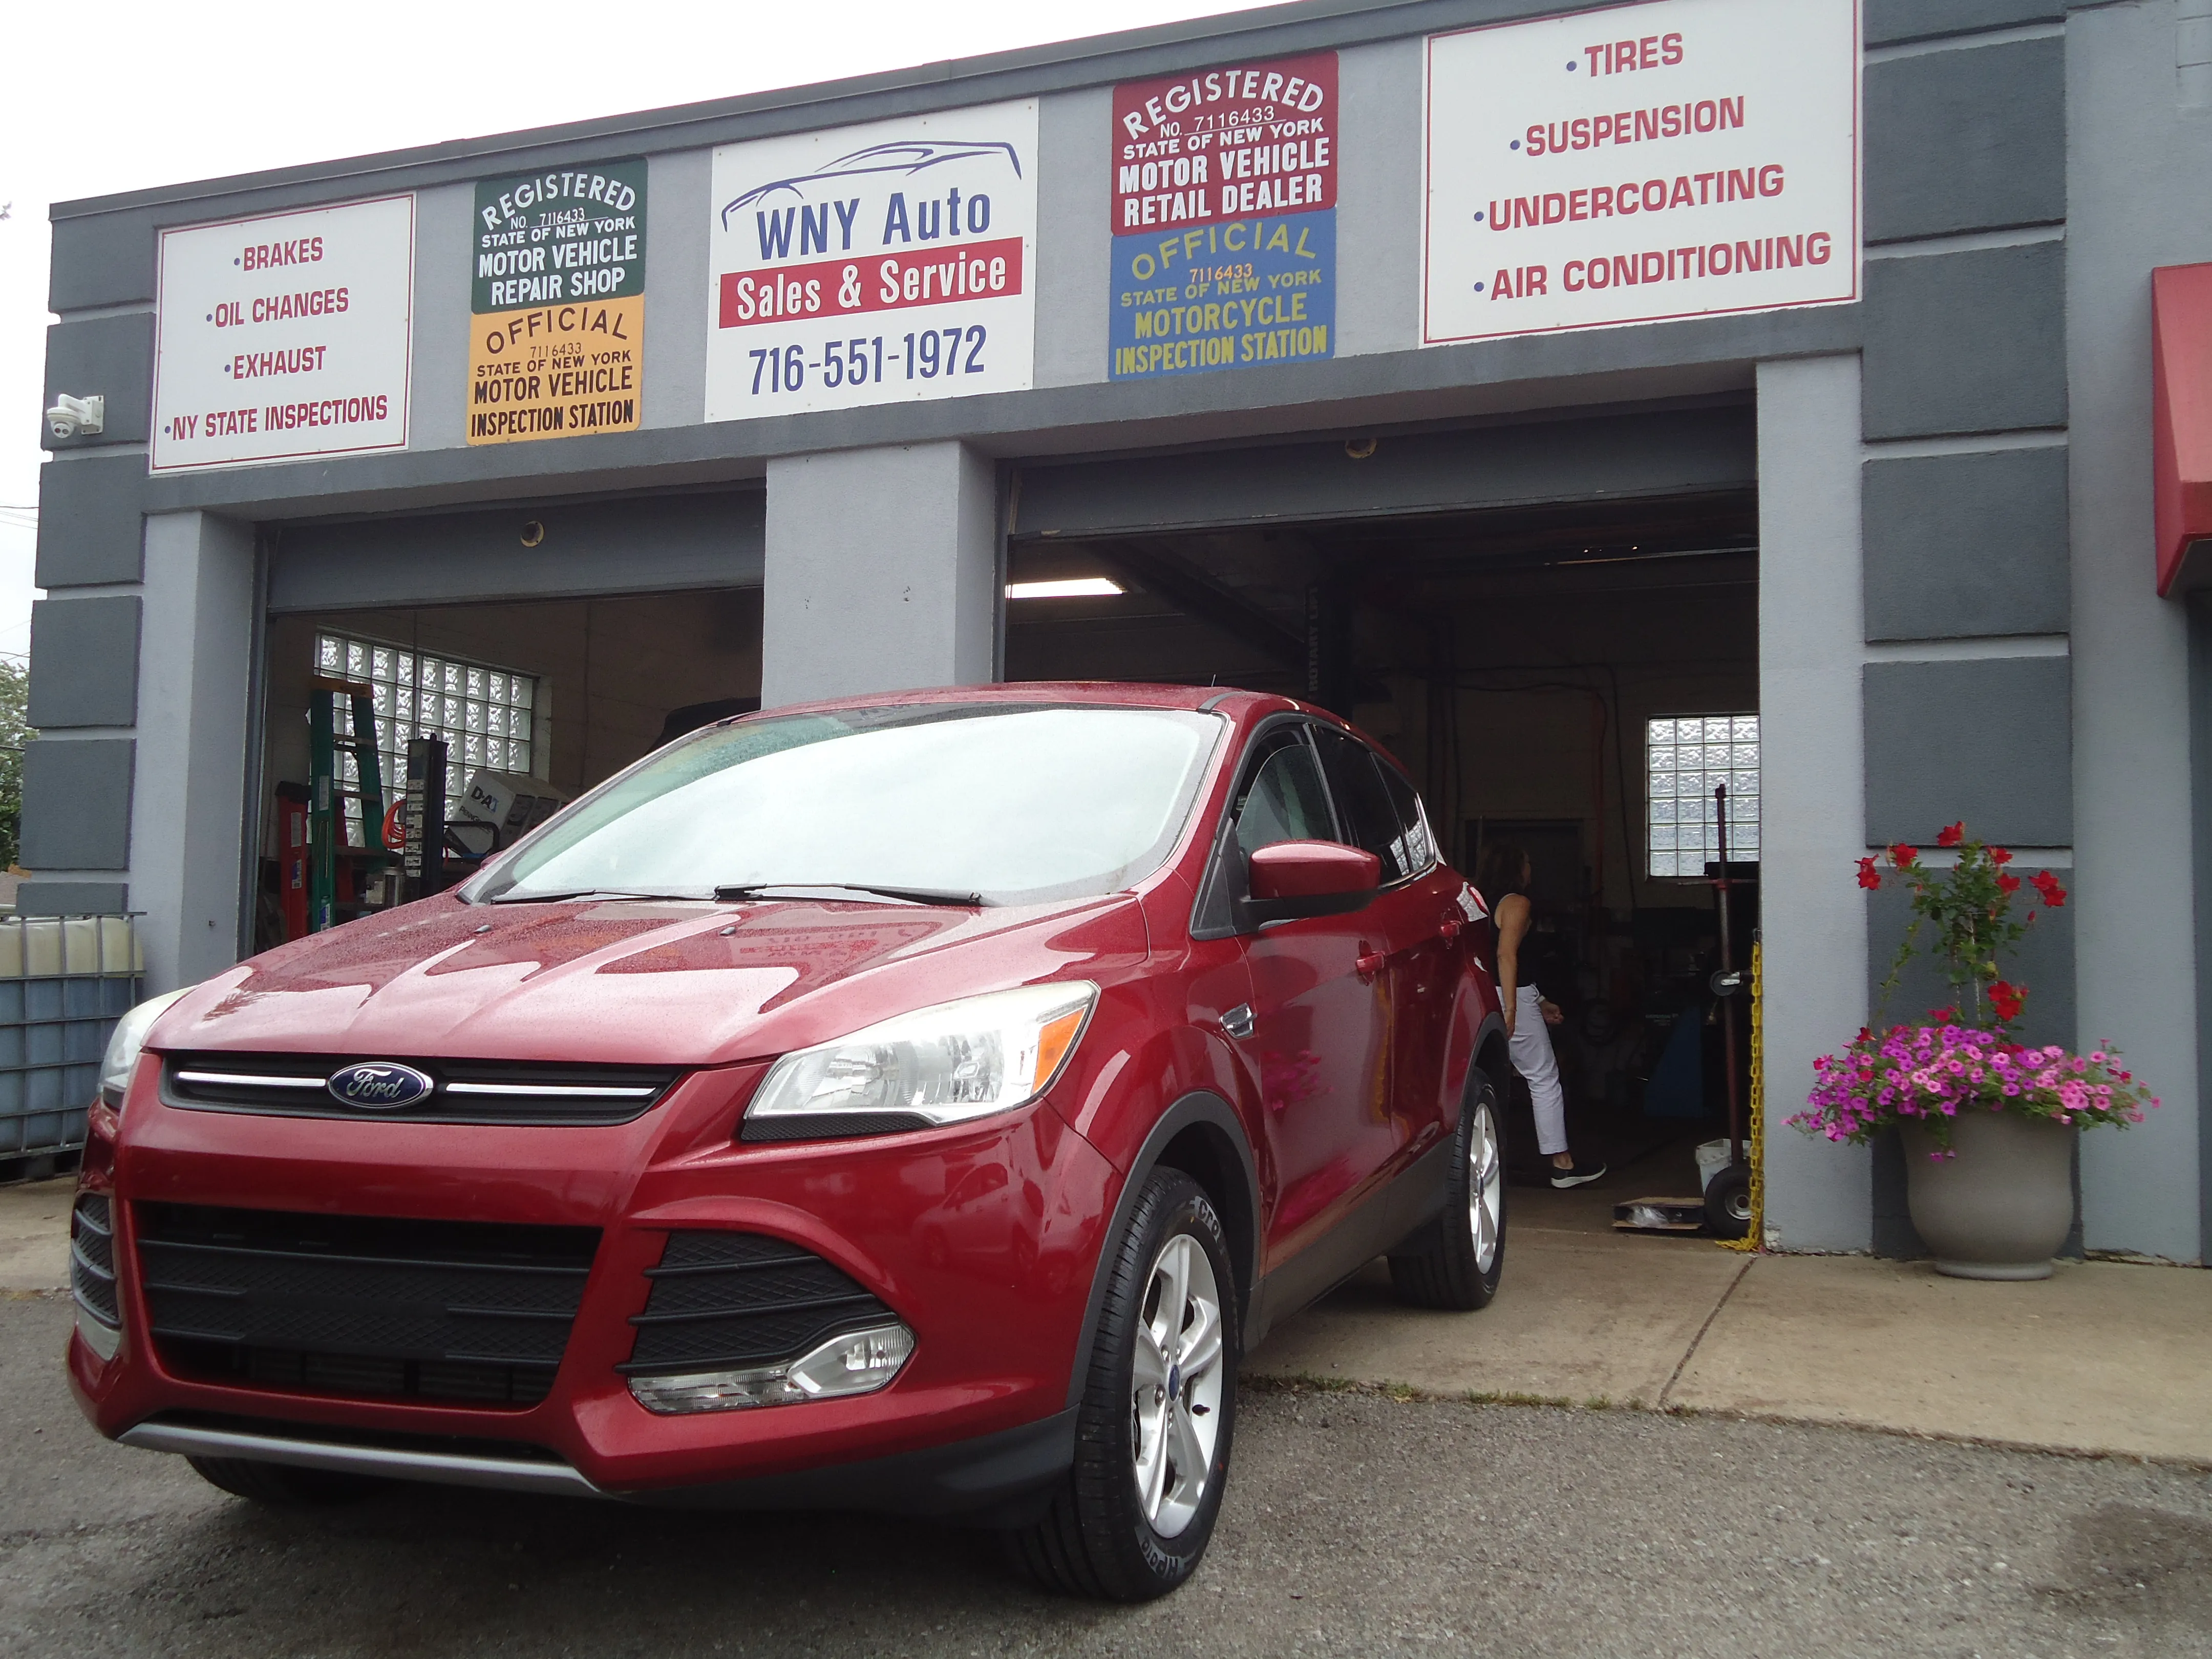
[1944,557]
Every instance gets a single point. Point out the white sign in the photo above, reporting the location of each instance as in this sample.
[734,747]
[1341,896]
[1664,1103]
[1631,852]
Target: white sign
[873,265]
[1678,158]
[284,336]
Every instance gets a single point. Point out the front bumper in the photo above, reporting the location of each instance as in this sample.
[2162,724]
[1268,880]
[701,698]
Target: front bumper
[983,1240]
[995,1476]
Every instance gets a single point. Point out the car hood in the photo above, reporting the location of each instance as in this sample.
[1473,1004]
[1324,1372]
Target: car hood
[633,982]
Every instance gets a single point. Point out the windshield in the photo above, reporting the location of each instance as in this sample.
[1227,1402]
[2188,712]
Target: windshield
[1009,803]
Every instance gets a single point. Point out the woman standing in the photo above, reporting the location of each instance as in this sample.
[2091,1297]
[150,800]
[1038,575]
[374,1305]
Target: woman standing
[1504,880]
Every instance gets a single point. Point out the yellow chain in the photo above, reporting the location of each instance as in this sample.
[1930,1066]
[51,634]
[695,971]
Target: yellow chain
[1755,1152]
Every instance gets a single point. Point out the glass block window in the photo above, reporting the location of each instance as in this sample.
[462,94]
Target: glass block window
[1685,757]
[485,715]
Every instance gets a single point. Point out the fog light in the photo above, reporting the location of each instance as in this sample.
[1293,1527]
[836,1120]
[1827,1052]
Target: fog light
[858,1362]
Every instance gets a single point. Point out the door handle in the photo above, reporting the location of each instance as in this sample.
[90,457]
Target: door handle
[1448,930]
[1369,963]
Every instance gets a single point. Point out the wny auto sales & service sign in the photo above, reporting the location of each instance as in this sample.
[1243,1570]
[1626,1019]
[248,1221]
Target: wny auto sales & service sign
[871,264]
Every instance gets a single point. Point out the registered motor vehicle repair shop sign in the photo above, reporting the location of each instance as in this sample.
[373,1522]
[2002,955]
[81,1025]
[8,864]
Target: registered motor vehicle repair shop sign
[556,330]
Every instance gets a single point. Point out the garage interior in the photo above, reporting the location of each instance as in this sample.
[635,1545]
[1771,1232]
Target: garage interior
[1569,667]
[1551,675]
[575,639]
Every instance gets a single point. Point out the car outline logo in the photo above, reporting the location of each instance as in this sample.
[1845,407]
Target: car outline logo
[380,1086]
[905,155]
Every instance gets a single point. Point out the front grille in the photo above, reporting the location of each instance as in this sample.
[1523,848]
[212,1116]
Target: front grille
[468,1091]
[92,1258]
[720,1301]
[469,1311]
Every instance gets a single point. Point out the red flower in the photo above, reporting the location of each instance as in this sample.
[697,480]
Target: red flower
[2008,884]
[1902,856]
[1869,878]
[2007,1000]
[1999,856]
[2047,885]
[1950,835]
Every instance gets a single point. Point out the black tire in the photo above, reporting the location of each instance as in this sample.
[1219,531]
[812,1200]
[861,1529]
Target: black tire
[1095,1539]
[282,1484]
[1448,1270]
[1728,1202]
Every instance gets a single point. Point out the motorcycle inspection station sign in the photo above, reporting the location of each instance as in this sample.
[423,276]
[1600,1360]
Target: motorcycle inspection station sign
[1634,163]
[556,330]
[1223,219]
[873,265]
[284,337]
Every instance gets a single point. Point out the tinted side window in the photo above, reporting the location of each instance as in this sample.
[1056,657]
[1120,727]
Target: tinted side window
[1420,850]
[1287,802]
[1370,818]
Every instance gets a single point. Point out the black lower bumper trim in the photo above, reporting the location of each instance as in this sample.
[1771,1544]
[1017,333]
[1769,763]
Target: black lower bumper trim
[995,1480]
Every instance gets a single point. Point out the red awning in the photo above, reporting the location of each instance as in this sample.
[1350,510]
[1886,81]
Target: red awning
[2181,429]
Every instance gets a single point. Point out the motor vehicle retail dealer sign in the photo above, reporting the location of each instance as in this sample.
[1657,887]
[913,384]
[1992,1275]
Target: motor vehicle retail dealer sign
[873,265]
[284,336]
[1223,218]
[1677,158]
[556,302]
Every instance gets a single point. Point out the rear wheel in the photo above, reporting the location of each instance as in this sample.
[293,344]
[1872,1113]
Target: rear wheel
[281,1483]
[1131,1518]
[1462,1252]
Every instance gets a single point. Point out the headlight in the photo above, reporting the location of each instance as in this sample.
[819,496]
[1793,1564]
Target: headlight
[130,1039]
[948,1064]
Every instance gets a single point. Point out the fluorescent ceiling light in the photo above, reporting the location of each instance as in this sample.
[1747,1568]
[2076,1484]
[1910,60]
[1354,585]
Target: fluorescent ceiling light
[1078,587]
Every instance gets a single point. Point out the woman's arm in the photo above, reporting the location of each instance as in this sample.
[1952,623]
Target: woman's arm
[1512,916]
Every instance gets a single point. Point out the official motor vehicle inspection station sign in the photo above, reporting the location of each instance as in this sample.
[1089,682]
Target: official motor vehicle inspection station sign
[1674,158]
[284,336]
[556,302]
[871,265]
[1223,207]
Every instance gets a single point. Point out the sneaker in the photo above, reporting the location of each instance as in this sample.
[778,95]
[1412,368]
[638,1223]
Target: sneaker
[1580,1174]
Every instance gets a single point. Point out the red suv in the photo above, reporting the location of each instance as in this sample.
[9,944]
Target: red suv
[916,1103]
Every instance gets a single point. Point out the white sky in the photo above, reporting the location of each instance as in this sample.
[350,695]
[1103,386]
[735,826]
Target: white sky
[133,95]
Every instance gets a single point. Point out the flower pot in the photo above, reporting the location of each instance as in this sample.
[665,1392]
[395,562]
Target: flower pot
[2003,1205]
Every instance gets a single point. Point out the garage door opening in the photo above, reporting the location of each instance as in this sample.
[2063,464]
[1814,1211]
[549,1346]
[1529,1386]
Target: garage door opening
[536,701]
[1575,679]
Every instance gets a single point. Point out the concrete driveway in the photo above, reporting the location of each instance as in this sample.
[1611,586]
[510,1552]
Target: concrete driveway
[1354,1524]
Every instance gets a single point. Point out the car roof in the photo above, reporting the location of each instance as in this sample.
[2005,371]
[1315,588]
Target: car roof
[1111,694]
[1233,701]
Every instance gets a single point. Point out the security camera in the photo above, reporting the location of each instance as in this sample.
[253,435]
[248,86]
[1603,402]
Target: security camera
[70,415]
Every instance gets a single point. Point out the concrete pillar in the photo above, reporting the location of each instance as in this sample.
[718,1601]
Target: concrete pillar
[1812,784]
[189,814]
[882,572]
[2130,148]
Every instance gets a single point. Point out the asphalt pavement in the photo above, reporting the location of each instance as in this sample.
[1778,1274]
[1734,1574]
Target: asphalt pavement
[1355,1523]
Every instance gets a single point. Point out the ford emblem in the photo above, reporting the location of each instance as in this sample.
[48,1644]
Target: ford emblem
[380,1086]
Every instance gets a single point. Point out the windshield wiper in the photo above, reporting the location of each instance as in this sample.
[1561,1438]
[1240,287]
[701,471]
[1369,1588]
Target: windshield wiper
[911,895]
[510,895]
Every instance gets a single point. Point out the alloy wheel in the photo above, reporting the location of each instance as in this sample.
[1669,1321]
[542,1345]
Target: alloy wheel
[1174,1402]
[1485,1186]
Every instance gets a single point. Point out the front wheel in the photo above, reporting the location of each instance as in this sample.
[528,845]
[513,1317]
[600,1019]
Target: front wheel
[1462,1253]
[1131,1518]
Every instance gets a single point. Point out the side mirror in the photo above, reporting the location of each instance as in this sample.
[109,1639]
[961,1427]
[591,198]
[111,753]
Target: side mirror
[1294,879]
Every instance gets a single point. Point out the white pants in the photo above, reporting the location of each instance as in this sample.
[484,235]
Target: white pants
[1531,1049]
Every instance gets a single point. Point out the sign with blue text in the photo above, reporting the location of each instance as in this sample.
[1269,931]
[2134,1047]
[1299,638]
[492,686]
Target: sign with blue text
[1223,219]
[1634,163]
[873,265]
